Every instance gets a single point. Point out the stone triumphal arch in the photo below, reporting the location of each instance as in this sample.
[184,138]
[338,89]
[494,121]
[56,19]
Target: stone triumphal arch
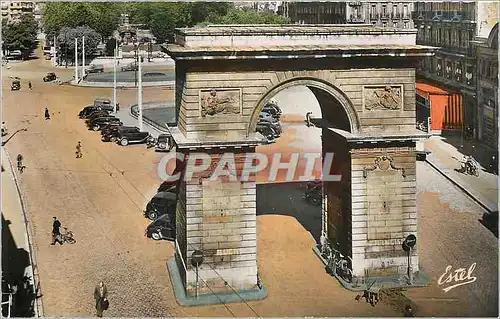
[364,79]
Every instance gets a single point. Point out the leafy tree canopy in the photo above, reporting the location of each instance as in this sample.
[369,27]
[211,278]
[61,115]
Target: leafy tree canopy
[20,35]
[244,16]
[66,40]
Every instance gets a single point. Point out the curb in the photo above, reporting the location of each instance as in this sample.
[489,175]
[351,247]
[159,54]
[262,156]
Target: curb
[208,298]
[169,84]
[34,268]
[462,188]
[151,123]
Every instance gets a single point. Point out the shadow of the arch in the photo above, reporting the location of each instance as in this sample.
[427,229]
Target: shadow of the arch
[287,199]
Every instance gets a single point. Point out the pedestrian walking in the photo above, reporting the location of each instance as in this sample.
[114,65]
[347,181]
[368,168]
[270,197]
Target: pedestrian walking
[20,165]
[408,312]
[29,85]
[47,114]
[79,150]
[56,233]
[101,298]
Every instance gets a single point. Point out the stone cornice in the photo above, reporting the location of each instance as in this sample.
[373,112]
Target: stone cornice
[178,52]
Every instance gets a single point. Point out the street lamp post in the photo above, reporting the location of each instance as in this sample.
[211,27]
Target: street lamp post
[139,95]
[76,60]
[136,55]
[114,76]
[83,57]
[55,51]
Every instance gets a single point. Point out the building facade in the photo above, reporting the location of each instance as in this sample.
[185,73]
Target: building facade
[453,26]
[13,10]
[487,88]
[396,14]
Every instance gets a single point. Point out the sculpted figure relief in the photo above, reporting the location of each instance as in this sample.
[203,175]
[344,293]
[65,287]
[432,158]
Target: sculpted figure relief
[212,103]
[388,98]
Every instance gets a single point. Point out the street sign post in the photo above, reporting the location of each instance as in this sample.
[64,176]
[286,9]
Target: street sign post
[196,261]
[409,242]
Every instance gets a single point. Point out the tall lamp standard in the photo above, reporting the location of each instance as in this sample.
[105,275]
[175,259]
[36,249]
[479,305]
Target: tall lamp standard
[114,76]
[83,57]
[76,60]
[139,94]
[136,57]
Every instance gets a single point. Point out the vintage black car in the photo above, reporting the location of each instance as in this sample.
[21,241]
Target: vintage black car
[106,104]
[110,132]
[15,85]
[272,109]
[124,137]
[96,114]
[100,122]
[130,67]
[164,143]
[51,76]
[162,228]
[86,111]
[162,203]
[269,130]
[168,186]
[93,68]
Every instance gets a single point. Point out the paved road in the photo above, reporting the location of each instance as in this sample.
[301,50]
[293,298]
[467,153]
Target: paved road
[150,75]
[101,197]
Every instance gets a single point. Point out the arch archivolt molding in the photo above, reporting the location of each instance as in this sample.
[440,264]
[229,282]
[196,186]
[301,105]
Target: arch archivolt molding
[321,79]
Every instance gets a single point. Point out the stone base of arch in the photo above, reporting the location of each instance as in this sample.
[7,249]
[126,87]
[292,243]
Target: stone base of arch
[217,217]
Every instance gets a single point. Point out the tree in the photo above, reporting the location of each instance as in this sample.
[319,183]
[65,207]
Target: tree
[66,41]
[242,16]
[21,35]
[102,17]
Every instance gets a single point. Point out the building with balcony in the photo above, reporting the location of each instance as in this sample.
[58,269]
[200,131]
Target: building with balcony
[13,10]
[453,27]
[395,14]
[487,87]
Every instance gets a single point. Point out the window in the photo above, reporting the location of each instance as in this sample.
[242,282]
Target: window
[395,24]
[406,25]
[384,24]
[405,11]
[384,10]
[395,10]
[374,23]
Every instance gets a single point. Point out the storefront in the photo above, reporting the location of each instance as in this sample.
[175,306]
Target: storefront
[443,107]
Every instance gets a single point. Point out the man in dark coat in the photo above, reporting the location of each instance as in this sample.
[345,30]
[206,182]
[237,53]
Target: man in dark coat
[56,233]
[47,114]
[101,298]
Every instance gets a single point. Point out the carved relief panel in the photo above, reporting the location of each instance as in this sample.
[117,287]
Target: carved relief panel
[220,101]
[389,97]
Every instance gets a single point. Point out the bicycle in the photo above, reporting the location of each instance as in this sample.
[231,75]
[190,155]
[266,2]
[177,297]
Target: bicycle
[337,263]
[67,236]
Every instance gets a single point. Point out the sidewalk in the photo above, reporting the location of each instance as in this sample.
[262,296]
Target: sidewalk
[128,119]
[16,248]
[446,158]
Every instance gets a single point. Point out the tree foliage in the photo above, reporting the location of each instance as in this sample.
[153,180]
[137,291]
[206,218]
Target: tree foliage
[20,35]
[160,17]
[102,17]
[243,16]
[66,41]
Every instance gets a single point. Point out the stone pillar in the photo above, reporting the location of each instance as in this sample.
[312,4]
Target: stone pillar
[383,208]
[217,217]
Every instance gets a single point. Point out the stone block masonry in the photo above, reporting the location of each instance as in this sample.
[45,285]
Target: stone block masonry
[383,209]
[220,219]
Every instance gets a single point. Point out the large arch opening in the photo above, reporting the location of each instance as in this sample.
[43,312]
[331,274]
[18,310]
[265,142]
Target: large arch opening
[302,195]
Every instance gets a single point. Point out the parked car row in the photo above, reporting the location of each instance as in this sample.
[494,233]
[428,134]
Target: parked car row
[161,209]
[269,122]
[98,118]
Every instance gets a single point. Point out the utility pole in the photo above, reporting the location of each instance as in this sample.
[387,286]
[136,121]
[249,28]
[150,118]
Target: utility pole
[76,60]
[139,96]
[114,76]
[83,57]
[55,51]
